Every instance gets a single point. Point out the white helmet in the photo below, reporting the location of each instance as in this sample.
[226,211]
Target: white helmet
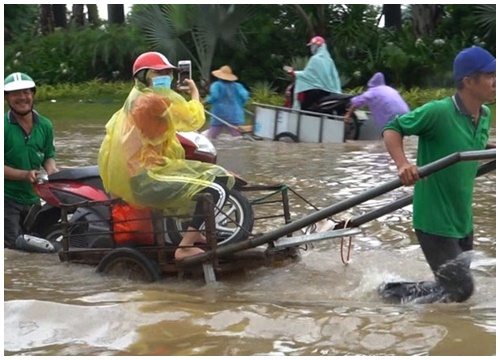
[18,81]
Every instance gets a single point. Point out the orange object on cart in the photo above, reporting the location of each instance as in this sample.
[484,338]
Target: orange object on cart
[132,225]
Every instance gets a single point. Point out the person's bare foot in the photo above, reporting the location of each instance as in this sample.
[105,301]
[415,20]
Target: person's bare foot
[201,240]
[182,253]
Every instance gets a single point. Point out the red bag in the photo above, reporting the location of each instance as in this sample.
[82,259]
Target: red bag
[132,225]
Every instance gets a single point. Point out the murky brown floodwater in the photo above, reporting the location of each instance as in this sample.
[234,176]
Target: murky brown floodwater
[316,306]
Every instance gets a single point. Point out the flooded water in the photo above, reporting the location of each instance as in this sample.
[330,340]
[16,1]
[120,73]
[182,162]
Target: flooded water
[315,306]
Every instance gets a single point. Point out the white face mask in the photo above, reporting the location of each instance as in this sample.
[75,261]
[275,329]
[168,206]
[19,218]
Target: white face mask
[163,81]
[314,49]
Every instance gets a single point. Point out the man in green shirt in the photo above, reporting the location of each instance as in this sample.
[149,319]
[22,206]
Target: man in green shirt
[442,202]
[28,146]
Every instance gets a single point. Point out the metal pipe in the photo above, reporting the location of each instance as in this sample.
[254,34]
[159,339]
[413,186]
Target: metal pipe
[275,130]
[372,215]
[304,112]
[242,133]
[321,128]
[339,207]
[223,121]
[404,201]
[299,121]
[486,168]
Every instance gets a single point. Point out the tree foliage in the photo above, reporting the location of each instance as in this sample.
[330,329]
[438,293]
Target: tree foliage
[193,31]
[255,40]
[485,18]
[19,20]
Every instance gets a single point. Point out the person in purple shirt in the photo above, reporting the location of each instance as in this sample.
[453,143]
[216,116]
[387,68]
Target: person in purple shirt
[383,101]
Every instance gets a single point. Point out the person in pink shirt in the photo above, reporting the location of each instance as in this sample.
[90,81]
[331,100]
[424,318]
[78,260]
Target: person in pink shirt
[383,101]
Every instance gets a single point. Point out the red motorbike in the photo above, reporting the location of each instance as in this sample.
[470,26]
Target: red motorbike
[77,185]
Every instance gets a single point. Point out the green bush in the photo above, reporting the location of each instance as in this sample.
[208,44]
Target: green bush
[100,92]
[95,90]
[263,92]
[76,55]
[416,97]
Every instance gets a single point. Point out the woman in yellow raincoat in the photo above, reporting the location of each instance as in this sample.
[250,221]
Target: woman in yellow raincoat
[142,162]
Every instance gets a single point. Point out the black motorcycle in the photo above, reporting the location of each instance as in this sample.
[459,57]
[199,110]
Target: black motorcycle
[329,103]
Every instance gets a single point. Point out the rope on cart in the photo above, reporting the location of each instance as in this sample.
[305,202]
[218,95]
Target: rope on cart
[348,248]
[311,204]
[282,189]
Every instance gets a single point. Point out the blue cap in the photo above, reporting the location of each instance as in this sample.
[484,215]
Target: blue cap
[473,60]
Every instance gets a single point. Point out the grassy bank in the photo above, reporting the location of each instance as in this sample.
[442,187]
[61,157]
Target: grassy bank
[95,100]
[72,110]
[75,110]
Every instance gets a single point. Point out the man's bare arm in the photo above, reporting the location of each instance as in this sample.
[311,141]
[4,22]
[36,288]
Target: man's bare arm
[408,173]
[19,175]
[50,166]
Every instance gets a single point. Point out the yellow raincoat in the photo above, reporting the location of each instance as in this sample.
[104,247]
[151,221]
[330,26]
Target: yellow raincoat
[142,162]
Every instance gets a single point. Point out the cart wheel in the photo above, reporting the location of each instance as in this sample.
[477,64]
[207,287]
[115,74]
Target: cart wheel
[129,263]
[286,137]
[236,225]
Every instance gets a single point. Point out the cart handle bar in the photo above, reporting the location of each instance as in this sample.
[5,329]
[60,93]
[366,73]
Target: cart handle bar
[338,207]
[402,202]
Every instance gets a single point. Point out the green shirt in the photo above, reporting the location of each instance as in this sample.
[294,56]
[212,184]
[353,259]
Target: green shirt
[442,204]
[26,152]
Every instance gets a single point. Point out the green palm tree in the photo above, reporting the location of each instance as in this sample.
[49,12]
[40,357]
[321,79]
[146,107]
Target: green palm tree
[485,17]
[192,31]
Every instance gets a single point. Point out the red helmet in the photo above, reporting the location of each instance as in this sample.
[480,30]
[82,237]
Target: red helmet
[151,60]
[317,40]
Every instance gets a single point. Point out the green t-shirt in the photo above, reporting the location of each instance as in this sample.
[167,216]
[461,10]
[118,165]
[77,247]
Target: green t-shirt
[442,204]
[26,153]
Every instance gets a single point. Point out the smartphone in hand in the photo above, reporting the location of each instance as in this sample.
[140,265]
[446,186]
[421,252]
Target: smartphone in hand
[184,69]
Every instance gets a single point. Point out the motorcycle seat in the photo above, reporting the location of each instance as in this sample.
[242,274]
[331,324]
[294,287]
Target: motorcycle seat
[332,102]
[336,97]
[78,173]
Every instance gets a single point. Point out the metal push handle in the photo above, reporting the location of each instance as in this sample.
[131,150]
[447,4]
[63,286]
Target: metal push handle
[339,207]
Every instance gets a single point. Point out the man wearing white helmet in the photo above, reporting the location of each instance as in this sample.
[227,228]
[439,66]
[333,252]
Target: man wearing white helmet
[28,146]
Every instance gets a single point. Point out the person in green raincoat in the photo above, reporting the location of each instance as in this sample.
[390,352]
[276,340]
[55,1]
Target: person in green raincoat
[318,79]
[141,160]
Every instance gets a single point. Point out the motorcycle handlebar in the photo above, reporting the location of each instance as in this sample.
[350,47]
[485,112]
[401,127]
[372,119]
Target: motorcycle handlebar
[42,178]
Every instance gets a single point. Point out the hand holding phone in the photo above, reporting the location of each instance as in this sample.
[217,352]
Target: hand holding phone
[184,69]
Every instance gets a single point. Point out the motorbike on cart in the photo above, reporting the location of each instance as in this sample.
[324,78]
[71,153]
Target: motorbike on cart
[333,104]
[83,184]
